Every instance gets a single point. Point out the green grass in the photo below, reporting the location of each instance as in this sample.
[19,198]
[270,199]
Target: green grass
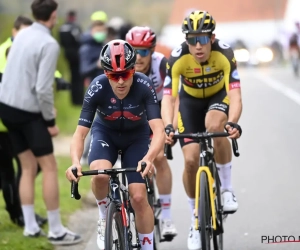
[67,114]
[11,236]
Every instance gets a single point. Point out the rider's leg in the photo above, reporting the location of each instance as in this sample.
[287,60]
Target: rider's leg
[164,185]
[144,217]
[191,120]
[103,155]
[215,121]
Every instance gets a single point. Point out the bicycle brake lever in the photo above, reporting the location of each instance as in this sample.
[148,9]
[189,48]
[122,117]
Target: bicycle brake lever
[147,180]
[74,186]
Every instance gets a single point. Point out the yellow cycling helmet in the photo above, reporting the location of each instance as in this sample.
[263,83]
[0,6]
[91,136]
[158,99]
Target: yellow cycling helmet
[198,21]
[99,16]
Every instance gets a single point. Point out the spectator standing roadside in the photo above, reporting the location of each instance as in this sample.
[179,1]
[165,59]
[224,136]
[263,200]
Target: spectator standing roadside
[69,36]
[8,182]
[27,110]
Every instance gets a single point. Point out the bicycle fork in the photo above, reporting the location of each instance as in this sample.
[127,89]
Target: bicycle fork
[210,180]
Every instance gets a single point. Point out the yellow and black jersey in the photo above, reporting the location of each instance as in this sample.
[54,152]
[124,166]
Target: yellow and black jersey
[205,79]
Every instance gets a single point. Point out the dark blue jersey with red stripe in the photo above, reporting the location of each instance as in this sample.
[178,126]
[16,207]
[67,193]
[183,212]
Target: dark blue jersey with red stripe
[132,112]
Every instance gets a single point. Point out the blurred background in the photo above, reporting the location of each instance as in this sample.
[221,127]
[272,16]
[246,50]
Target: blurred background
[262,33]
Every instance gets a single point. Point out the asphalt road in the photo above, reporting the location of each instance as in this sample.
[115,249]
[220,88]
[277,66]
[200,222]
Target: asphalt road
[265,176]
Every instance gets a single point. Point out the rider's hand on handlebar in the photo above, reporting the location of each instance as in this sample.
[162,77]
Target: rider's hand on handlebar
[170,133]
[149,170]
[70,175]
[234,130]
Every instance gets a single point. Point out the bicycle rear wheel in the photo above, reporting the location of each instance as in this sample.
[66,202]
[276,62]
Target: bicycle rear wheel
[114,230]
[205,212]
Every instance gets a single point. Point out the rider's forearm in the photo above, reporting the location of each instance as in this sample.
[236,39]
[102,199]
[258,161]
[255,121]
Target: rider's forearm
[235,107]
[77,146]
[157,143]
[167,109]
[176,110]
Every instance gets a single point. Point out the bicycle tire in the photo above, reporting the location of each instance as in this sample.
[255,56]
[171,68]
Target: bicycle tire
[152,202]
[114,214]
[218,233]
[205,212]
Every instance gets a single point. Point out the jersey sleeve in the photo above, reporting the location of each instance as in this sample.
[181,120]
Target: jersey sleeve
[172,79]
[150,99]
[232,78]
[90,103]
[163,68]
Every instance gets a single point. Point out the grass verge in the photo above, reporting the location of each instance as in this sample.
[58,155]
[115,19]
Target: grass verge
[67,114]
[11,236]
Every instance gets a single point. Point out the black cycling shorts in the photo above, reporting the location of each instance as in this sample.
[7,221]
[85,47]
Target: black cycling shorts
[192,112]
[27,131]
[106,144]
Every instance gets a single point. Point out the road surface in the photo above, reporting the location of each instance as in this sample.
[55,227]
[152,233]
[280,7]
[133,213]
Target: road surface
[265,176]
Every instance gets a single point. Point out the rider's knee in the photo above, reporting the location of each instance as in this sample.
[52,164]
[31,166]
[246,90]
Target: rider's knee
[191,164]
[215,127]
[100,180]
[138,198]
[160,159]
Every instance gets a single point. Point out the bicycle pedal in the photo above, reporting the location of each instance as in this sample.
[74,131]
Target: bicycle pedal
[167,238]
[228,212]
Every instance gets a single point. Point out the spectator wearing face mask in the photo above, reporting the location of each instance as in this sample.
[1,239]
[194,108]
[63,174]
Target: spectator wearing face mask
[91,46]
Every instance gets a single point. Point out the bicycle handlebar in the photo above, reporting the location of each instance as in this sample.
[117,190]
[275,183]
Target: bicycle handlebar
[74,185]
[206,135]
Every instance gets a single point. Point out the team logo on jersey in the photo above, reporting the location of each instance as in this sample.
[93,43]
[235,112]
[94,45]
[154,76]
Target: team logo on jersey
[94,88]
[204,82]
[168,66]
[207,69]
[113,100]
[224,45]
[177,51]
[235,75]
[167,81]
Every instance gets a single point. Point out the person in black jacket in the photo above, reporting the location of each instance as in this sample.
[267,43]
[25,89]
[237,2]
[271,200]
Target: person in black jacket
[69,36]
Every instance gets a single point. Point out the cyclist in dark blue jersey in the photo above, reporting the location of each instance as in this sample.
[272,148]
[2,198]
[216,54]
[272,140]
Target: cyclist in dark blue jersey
[126,104]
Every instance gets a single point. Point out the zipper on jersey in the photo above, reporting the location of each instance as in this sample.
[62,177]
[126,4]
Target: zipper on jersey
[122,118]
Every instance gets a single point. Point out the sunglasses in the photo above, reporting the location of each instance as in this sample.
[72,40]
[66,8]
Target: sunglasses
[143,52]
[198,39]
[125,75]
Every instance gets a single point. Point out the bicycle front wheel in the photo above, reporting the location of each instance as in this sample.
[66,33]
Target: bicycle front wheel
[205,212]
[155,205]
[114,230]
[218,233]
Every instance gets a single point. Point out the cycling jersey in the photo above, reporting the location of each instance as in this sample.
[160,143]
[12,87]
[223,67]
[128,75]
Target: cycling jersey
[205,79]
[157,73]
[132,112]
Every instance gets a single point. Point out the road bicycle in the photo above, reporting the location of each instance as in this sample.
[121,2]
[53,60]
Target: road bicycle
[209,212]
[119,210]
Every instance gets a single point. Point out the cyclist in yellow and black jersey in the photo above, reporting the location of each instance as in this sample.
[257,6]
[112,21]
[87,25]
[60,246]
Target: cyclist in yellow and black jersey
[210,82]
[202,80]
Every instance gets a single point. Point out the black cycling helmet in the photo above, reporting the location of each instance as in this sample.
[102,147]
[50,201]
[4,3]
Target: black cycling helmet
[198,21]
[117,55]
